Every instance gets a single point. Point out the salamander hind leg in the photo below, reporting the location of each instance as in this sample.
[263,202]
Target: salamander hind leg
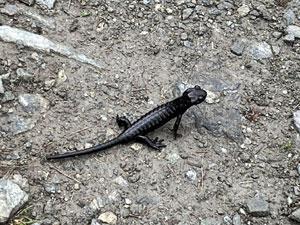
[122,121]
[156,143]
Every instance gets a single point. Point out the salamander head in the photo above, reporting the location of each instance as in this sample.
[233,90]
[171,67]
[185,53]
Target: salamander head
[195,95]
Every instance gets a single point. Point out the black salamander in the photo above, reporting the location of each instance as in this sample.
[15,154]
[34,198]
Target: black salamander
[147,123]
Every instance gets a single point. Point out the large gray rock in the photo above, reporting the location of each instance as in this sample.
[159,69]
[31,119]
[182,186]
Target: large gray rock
[8,96]
[238,47]
[12,198]
[222,117]
[17,124]
[43,44]
[289,38]
[33,103]
[24,75]
[293,30]
[13,10]
[296,215]
[10,10]
[27,2]
[48,3]
[259,50]
[289,16]
[257,206]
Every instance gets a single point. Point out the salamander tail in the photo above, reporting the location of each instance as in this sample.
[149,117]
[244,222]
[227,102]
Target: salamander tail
[96,148]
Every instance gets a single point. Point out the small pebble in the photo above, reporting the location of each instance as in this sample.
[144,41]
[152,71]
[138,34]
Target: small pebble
[289,38]
[173,157]
[191,175]
[187,44]
[108,217]
[76,186]
[236,219]
[243,10]
[120,181]
[238,47]
[110,132]
[1,87]
[27,144]
[289,200]
[136,146]
[289,16]
[128,201]
[298,168]
[186,13]
[8,96]
[227,220]
[169,11]
[296,215]
[183,36]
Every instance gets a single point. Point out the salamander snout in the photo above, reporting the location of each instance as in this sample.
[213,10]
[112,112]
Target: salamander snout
[196,95]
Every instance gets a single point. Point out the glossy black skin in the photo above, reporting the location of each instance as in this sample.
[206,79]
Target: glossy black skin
[147,123]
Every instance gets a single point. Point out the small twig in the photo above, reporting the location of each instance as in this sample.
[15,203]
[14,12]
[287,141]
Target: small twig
[134,216]
[202,176]
[70,1]
[77,131]
[163,222]
[142,75]
[14,166]
[296,106]
[246,182]
[171,170]
[139,89]
[72,178]
[97,159]
[7,150]
[199,152]
[162,94]
[24,210]
[127,102]
[49,143]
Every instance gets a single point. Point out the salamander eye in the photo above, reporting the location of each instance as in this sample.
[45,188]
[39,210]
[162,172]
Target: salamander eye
[187,91]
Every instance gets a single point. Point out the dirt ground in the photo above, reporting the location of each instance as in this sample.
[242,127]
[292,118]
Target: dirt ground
[239,145]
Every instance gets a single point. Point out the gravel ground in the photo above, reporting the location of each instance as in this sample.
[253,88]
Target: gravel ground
[80,63]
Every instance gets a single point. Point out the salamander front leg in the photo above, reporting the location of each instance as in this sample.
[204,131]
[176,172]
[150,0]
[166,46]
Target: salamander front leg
[122,121]
[153,143]
[176,126]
